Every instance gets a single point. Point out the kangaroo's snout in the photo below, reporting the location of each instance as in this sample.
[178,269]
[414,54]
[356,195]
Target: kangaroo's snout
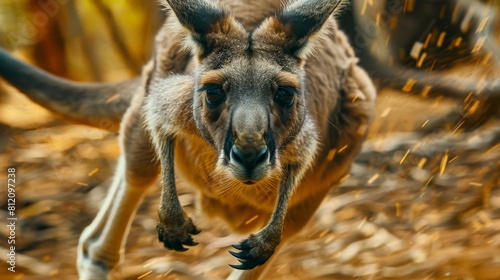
[250,156]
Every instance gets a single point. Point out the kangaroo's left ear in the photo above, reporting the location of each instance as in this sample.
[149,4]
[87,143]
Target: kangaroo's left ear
[208,25]
[297,23]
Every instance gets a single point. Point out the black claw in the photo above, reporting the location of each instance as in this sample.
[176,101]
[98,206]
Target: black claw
[245,245]
[191,243]
[178,247]
[249,264]
[237,247]
[186,239]
[245,255]
[194,231]
[239,266]
[246,265]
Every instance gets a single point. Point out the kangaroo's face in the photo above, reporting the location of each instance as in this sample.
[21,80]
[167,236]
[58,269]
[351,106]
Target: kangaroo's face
[249,106]
[249,98]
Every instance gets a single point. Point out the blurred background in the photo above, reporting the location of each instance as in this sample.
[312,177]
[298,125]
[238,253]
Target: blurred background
[94,40]
[419,203]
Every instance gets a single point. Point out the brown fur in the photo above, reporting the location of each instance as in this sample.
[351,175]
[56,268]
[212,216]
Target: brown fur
[318,154]
[249,54]
[340,102]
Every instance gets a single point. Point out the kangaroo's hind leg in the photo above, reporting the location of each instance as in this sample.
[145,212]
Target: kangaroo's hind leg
[101,243]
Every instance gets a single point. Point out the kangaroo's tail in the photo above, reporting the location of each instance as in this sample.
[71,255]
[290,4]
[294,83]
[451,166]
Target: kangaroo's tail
[96,104]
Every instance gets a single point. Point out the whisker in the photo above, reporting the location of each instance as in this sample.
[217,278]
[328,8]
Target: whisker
[321,116]
[233,188]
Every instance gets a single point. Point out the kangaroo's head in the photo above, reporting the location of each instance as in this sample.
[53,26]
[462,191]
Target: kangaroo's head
[249,96]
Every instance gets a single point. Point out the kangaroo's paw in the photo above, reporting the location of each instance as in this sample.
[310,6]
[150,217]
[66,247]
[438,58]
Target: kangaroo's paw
[174,237]
[254,251]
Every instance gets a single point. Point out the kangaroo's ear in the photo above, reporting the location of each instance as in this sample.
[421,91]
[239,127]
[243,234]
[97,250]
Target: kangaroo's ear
[207,24]
[297,23]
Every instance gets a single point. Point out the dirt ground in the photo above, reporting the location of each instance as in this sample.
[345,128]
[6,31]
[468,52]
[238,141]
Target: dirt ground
[413,207]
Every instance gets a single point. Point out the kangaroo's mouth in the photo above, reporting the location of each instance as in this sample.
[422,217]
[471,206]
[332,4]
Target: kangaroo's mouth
[251,165]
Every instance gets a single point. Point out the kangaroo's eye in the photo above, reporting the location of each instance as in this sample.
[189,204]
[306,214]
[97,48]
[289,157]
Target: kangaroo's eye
[285,96]
[215,95]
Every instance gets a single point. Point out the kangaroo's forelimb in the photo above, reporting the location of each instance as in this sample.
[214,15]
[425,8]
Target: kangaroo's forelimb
[259,247]
[174,226]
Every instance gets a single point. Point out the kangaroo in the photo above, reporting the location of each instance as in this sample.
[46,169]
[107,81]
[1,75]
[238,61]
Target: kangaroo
[259,105]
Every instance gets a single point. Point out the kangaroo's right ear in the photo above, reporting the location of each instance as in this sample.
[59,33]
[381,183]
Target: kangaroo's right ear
[208,25]
[295,26]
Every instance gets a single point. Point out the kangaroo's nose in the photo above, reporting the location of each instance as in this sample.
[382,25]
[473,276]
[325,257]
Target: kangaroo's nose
[249,158]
